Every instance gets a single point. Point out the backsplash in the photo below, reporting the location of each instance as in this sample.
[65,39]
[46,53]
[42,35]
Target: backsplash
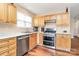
[13,28]
[63,29]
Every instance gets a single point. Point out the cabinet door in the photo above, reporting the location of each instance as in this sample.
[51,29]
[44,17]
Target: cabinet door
[12,47]
[3,12]
[33,40]
[63,42]
[4,47]
[59,41]
[59,20]
[35,22]
[11,14]
[66,20]
[40,38]
[66,44]
[47,17]
[41,21]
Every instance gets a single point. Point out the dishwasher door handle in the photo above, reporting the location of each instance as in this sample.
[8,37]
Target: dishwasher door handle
[20,38]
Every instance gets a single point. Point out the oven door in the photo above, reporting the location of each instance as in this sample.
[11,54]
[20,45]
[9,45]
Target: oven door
[49,38]
[48,43]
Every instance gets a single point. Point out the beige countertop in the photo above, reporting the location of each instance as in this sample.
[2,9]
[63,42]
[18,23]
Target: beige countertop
[9,35]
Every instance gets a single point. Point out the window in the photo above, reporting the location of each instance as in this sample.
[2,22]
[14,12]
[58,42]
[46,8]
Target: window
[23,20]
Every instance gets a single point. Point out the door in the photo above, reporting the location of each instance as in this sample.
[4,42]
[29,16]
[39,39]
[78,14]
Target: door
[3,12]
[11,14]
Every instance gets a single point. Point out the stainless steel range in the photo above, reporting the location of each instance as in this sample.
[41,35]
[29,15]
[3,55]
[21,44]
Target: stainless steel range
[49,38]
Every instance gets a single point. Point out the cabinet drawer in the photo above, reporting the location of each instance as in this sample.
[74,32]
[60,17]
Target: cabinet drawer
[4,54]
[12,43]
[3,41]
[63,36]
[12,46]
[12,52]
[12,40]
[4,49]
[5,44]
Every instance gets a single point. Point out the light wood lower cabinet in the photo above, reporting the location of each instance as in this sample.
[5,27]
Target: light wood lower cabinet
[63,42]
[3,47]
[8,47]
[32,40]
[40,39]
[12,47]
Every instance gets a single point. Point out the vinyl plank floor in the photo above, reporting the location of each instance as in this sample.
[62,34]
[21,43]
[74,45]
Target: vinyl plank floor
[43,51]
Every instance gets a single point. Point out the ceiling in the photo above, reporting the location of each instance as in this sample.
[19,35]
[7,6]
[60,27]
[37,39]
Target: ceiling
[44,8]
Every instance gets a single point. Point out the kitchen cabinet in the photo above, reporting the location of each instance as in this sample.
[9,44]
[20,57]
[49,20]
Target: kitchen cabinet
[32,40]
[41,21]
[4,47]
[63,42]
[35,22]
[47,17]
[66,19]
[12,47]
[38,21]
[11,14]
[63,20]
[59,20]
[7,13]
[8,47]
[41,38]
[3,12]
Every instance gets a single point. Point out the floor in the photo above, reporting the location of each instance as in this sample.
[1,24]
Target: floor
[43,51]
[75,43]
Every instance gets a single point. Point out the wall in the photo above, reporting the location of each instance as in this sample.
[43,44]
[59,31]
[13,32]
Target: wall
[13,28]
[25,11]
[74,14]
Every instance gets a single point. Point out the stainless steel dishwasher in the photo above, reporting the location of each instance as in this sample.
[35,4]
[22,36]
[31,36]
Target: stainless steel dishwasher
[22,44]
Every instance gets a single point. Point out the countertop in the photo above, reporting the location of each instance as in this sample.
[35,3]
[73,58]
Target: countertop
[9,35]
[64,33]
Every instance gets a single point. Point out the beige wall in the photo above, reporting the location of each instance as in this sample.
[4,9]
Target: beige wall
[25,11]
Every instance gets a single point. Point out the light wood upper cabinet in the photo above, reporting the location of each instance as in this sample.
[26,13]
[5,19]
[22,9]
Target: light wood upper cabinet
[63,20]
[11,14]
[7,13]
[35,21]
[47,17]
[63,42]
[38,21]
[66,19]
[3,12]
[41,21]
[59,20]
